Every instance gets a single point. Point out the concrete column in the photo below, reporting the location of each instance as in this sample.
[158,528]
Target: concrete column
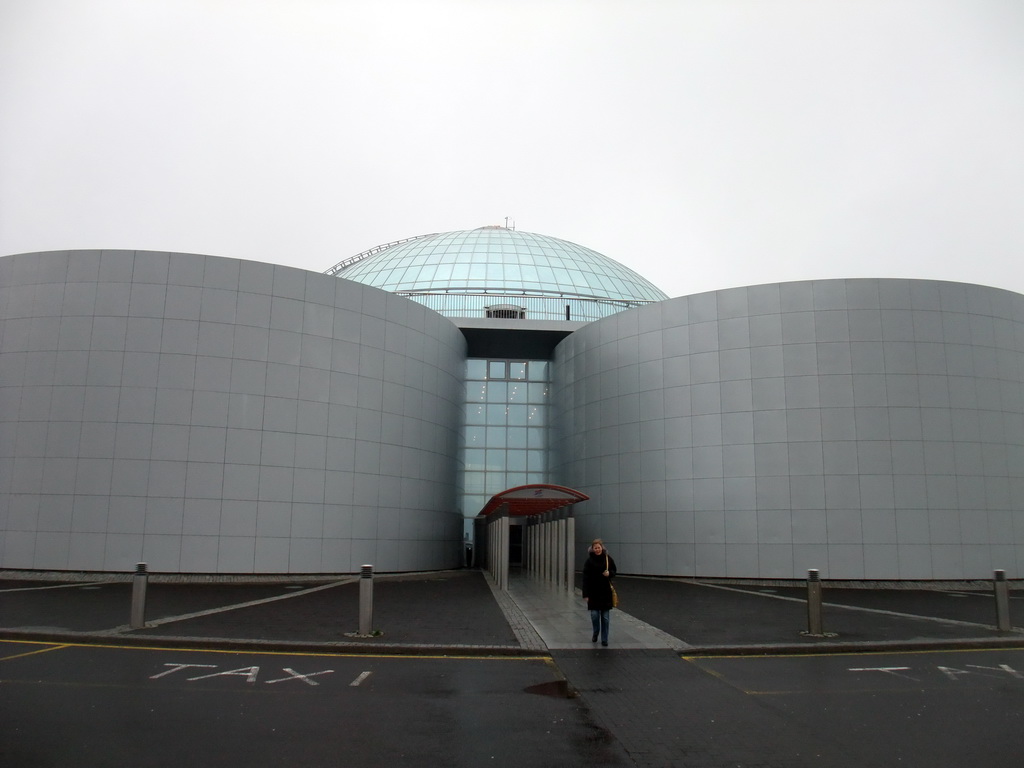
[506,537]
[542,566]
[559,580]
[548,547]
[530,550]
[570,554]
[493,534]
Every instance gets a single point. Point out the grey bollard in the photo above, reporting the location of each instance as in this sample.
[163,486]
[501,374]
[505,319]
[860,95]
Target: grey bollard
[139,582]
[366,600]
[1002,592]
[814,623]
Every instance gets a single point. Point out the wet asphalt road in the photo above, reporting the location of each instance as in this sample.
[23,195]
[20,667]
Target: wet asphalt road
[86,707]
[97,706]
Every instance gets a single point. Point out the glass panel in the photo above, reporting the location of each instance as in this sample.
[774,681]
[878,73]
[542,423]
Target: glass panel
[539,370]
[538,416]
[538,393]
[517,415]
[516,461]
[535,461]
[495,460]
[517,437]
[475,482]
[517,392]
[476,369]
[517,370]
[476,392]
[495,437]
[516,479]
[497,392]
[475,459]
[496,415]
[475,437]
[475,414]
[495,483]
[475,503]
[496,369]
[536,438]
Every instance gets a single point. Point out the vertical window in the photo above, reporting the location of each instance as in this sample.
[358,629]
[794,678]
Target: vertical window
[505,435]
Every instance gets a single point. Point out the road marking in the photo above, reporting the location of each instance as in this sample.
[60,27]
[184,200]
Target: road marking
[178,667]
[360,679]
[955,674]
[894,671]
[843,606]
[397,654]
[75,585]
[236,606]
[293,675]
[33,653]
[249,673]
[1002,667]
[824,653]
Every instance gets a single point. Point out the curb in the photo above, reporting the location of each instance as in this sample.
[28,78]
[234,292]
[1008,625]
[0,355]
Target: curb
[864,646]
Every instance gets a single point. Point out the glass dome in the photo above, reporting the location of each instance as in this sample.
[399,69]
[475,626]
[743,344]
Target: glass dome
[499,272]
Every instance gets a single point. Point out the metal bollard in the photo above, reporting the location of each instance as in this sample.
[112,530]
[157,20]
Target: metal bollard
[366,600]
[814,623]
[139,582]
[1002,593]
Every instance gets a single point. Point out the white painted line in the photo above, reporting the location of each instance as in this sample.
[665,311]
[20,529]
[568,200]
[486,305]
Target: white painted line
[880,611]
[249,673]
[74,585]
[178,667]
[360,679]
[249,604]
[894,671]
[293,675]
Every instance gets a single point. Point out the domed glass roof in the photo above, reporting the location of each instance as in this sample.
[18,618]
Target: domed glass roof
[495,262]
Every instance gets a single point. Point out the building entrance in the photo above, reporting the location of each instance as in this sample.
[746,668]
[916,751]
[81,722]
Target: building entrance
[531,526]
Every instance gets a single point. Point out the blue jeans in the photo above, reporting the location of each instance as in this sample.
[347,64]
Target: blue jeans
[600,621]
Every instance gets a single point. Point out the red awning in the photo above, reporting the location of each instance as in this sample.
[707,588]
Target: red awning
[533,499]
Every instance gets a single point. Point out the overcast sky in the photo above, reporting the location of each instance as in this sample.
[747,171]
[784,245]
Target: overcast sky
[704,143]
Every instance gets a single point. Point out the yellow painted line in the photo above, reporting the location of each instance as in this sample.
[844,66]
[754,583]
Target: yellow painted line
[246,651]
[872,691]
[34,653]
[825,654]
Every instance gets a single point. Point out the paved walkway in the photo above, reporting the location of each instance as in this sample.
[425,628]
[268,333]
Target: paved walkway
[462,612]
[561,621]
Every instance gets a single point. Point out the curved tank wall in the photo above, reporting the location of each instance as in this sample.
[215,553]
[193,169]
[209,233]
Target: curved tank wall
[866,428]
[211,415]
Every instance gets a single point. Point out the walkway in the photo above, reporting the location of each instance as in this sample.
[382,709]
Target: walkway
[561,622]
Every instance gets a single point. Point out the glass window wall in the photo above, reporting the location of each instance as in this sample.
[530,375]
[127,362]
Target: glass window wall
[506,438]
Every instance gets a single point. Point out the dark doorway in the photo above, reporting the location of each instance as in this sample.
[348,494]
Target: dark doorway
[515,545]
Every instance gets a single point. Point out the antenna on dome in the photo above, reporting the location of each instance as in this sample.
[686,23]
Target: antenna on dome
[513,227]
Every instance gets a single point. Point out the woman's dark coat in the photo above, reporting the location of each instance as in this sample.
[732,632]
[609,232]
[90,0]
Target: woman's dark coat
[596,585]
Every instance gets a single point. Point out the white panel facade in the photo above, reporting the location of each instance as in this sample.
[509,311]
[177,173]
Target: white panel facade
[211,415]
[867,428]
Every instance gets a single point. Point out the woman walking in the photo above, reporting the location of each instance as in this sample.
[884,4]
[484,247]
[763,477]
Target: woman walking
[598,572]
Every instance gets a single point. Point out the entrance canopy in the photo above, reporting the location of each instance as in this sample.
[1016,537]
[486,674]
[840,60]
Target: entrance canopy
[525,500]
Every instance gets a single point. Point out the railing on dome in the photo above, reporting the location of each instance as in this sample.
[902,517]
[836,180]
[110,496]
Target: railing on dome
[345,264]
[575,308]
